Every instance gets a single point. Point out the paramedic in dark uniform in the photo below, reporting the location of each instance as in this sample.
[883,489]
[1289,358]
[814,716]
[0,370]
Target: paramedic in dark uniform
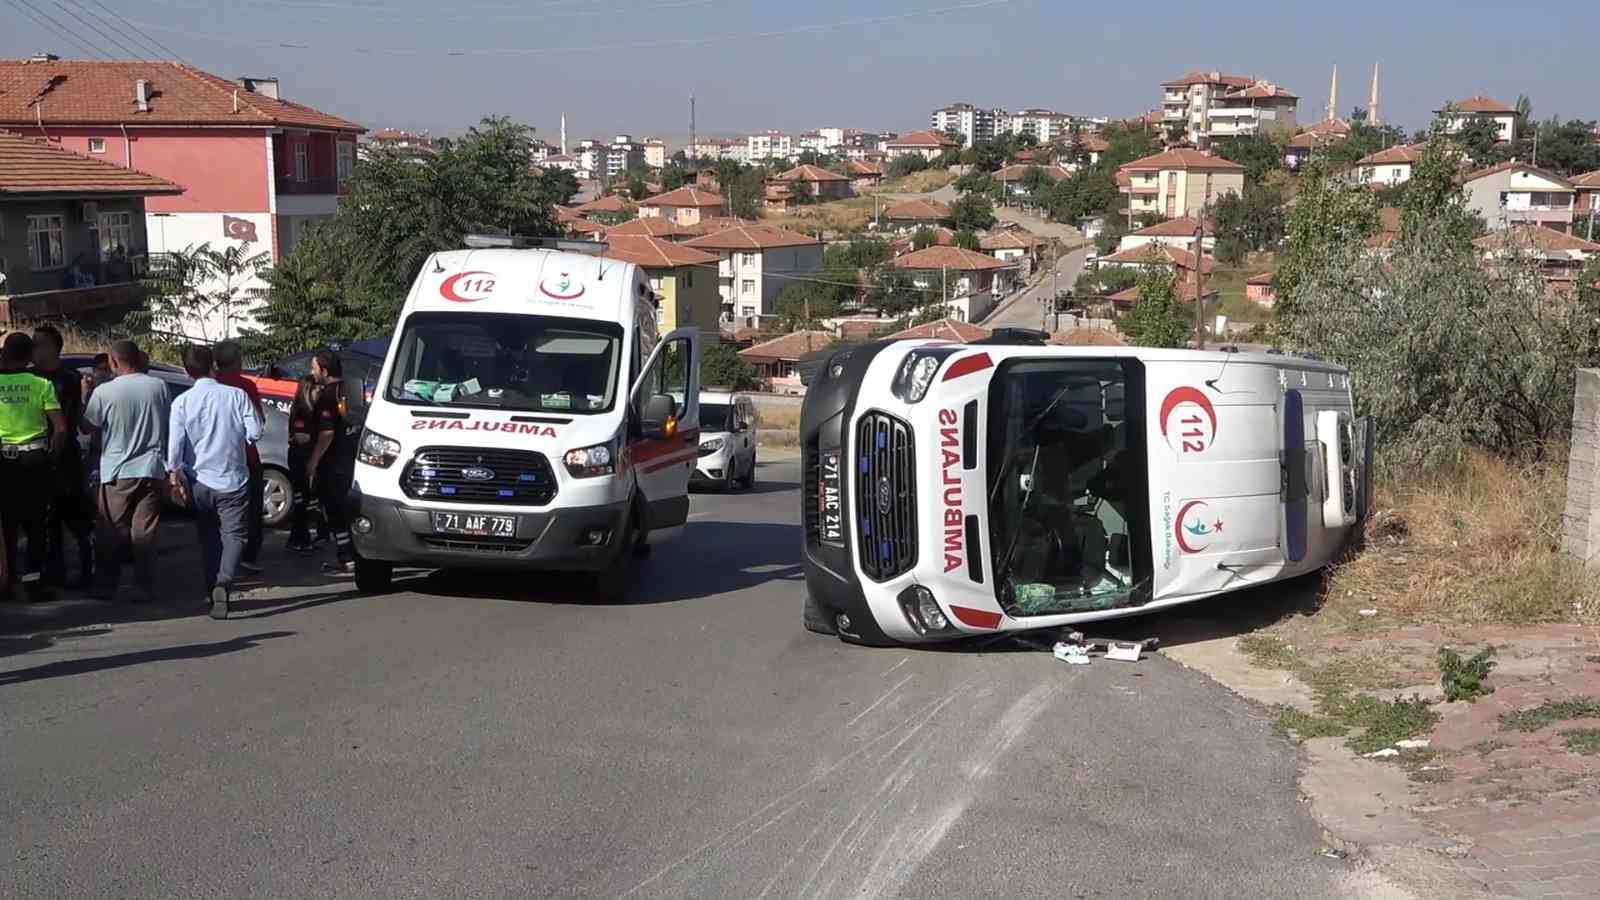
[332,465]
[32,431]
[69,509]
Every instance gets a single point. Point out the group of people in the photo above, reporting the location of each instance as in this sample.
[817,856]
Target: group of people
[196,451]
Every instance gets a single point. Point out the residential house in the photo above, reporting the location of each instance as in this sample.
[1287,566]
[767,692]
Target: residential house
[1081,149]
[756,263]
[930,145]
[415,143]
[822,184]
[864,176]
[255,169]
[713,224]
[1560,256]
[968,281]
[653,226]
[942,330]
[1043,125]
[538,150]
[1258,289]
[573,223]
[942,237]
[72,232]
[611,207]
[655,153]
[564,162]
[1515,193]
[812,142]
[1179,182]
[1459,114]
[1587,199]
[1177,232]
[1187,101]
[623,154]
[1011,245]
[1390,167]
[775,360]
[1312,139]
[770,144]
[1011,177]
[714,148]
[909,214]
[1183,263]
[684,279]
[974,124]
[685,205]
[1258,108]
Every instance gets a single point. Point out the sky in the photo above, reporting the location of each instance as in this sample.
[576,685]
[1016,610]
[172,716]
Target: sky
[629,66]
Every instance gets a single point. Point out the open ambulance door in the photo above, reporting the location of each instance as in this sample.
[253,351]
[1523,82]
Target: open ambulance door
[663,435]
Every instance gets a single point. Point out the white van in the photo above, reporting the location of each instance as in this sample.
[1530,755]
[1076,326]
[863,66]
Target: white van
[528,417]
[971,489]
[727,441]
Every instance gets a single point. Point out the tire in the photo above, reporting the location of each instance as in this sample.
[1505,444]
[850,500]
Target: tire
[374,576]
[815,618]
[277,498]
[611,584]
[750,476]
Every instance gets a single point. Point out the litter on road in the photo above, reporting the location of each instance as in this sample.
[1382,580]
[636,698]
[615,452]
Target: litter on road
[1385,753]
[1412,744]
[1072,654]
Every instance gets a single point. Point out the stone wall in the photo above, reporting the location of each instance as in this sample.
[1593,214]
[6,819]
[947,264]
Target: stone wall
[1581,523]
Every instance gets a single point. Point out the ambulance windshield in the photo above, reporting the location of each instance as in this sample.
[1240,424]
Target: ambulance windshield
[1059,469]
[503,361]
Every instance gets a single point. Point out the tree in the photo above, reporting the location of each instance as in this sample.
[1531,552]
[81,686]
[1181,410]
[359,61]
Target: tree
[1252,221]
[1567,148]
[924,237]
[894,292]
[721,366]
[1258,153]
[1435,200]
[1479,138]
[1324,233]
[673,177]
[967,239]
[973,211]
[198,291]
[804,304]
[1157,318]
[1104,281]
[312,301]
[977,182]
[860,252]
[905,164]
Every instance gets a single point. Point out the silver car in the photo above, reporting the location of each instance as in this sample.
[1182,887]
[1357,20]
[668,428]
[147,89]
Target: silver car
[727,441]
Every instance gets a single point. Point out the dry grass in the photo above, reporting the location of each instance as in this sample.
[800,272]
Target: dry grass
[778,426]
[838,216]
[1476,543]
[917,182]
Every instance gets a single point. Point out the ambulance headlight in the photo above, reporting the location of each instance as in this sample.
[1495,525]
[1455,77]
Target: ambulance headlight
[589,462]
[377,450]
[916,373]
[920,608]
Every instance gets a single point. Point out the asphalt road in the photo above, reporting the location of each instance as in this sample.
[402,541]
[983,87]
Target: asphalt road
[1025,309]
[492,736]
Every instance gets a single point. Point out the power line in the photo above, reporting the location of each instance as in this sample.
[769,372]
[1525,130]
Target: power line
[60,30]
[143,35]
[95,27]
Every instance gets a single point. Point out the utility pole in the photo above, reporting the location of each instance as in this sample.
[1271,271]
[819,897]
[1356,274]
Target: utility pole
[1199,279]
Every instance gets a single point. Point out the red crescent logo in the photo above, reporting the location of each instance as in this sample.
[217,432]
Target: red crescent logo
[565,285]
[1187,395]
[1177,526]
[480,285]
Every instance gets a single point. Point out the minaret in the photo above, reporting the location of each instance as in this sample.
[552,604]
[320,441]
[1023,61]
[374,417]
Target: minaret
[1372,102]
[563,134]
[1333,94]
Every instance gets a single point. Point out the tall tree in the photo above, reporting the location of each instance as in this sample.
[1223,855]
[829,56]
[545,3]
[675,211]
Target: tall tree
[1251,221]
[1258,153]
[973,211]
[198,291]
[1157,318]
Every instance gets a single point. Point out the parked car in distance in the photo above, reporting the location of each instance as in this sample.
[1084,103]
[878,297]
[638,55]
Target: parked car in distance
[727,441]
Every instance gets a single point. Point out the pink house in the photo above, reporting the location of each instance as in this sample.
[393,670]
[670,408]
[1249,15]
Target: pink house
[1258,290]
[255,168]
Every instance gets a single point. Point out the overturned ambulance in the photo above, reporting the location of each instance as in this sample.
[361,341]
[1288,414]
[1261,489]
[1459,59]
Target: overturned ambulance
[952,490]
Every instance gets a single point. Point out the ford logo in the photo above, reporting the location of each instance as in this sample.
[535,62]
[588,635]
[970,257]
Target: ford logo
[477,473]
[885,496]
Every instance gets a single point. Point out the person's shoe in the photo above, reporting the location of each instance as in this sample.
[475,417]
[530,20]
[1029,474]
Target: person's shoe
[300,546]
[339,568]
[219,602]
[254,568]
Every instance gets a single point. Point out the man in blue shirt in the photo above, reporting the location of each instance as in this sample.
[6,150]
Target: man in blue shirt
[211,425]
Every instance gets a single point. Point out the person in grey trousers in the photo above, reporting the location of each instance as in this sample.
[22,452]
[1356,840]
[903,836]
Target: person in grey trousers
[210,427]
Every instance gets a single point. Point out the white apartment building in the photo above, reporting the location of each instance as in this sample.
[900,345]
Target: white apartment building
[1388,167]
[812,141]
[757,263]
[591,157]
[717,148]
[623,154]
[542,150]
[1261,107]
[1458,114]
[832,138]
[1043,124]
[1218,105]
[655,152]
[974,124]
[769,144]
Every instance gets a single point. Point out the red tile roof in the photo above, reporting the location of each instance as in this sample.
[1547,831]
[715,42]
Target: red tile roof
[28,166]
[714,224]
[1587,179]
[942,237]
[810,173]
[1182,158]
[953,258]
[860,169]
[1261,90]
[1125,297]
[567,214]
[1405,153]
[1320,133]
[1538,237]
[789,346]
[1520,166]
[1006,239]
[1016,172]
[751,237]
[1158,254]
[653,252]
[654,226]
[1192,78]
[918,210]
[944,329]
[1479,103]
[684,196]
[926,138]
[1183,226]
[610,203]
[1094,143]
[90,92]
[583,226]
[1261,278]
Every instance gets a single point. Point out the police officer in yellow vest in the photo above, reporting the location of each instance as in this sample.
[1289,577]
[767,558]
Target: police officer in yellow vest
[32,432]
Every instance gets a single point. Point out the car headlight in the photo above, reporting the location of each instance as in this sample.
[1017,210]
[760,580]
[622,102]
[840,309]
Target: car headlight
[916,373]
[377,450]
[922,611]
[712,446]
[589,462]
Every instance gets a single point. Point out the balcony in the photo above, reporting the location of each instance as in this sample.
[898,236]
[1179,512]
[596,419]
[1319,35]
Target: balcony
[319,184]
[1233,112]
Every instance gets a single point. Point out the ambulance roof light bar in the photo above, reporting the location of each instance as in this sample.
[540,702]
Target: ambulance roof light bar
[529,242]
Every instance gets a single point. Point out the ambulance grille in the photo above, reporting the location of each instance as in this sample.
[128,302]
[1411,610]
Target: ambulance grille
[498,477]
[885,496]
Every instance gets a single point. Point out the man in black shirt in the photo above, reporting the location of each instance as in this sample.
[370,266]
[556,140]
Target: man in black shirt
[68,506]
[331,467]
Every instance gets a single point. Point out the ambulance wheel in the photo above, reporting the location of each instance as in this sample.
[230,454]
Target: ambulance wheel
[639,544]
[611,584]
[816,618]
[373,576]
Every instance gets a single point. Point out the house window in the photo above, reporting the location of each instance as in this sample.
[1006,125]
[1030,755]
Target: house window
[301,169]
[747,287]
[46,249]
[116,232]
[688,278]
[1396,176]
[747,311]
[346,160]
[97,145]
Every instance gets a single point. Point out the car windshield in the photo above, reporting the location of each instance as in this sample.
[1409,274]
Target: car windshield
[1059,483]
[714,416]
[503,361]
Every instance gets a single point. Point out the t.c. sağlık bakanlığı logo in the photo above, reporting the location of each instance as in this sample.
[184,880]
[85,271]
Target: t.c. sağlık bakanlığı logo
[1188,421]
[1195,527]
[561,286]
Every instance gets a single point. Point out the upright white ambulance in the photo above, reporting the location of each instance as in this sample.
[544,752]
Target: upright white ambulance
[969,489]
[528,416]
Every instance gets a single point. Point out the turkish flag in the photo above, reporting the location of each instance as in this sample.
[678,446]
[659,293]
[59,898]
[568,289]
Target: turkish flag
[238,229]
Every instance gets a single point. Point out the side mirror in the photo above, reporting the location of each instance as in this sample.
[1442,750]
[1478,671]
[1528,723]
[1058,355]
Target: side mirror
[658,417]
